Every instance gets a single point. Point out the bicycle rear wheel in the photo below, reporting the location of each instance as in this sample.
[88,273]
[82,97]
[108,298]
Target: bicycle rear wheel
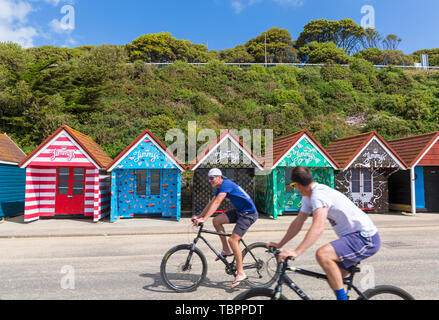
[258,294]
[182,275]
[387,293]
[260,266]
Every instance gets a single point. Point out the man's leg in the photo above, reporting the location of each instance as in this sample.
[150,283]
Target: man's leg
[243,223]
[328,258]
[218,223]
[234,244]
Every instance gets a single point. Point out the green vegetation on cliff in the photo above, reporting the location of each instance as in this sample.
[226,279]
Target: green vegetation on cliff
[95,90]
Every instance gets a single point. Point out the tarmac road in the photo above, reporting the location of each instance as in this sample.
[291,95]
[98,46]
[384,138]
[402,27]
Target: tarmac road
[127,266]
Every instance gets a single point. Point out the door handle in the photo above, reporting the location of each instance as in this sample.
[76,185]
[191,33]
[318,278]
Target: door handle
[70,197]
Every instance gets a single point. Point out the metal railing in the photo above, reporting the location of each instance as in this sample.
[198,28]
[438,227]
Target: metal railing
[298,65]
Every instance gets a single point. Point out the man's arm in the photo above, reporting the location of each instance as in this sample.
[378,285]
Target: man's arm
[292,231]
[317,228]
[211,208]
[206,208]
[314,232]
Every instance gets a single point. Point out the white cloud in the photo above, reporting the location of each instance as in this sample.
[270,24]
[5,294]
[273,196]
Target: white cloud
[13,23]
[52,2]
[237,6]
[23,36]
[240,5]
[15,27]
[57,2]
[296,3]
[59,27]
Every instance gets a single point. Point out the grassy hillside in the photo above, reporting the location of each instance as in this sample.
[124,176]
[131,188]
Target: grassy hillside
[95,91]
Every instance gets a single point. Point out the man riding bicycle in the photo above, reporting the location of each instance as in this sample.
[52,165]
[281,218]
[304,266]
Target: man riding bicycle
[244,215]
[358,236]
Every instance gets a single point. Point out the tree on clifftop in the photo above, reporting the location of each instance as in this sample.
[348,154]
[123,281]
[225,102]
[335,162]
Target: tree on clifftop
[162,47]
[280,47]
[345,34]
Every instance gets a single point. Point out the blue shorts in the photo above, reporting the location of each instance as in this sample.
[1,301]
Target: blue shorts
[353,248]
[243,220]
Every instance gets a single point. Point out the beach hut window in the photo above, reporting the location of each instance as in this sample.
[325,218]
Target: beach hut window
[155,182]
[63,181]
[141,182]
[356,180]
[78,181]
[361,179]
[367,181]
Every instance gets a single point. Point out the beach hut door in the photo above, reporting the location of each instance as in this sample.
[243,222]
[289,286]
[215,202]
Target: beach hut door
[70,191]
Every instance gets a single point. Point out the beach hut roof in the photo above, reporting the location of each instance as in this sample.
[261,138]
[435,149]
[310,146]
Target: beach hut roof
[10,153]
[90,147]
[346,150]
[413,148]
[157,143]
[283,145]
[226,134]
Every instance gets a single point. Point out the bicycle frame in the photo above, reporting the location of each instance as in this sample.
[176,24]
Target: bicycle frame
[230,266]
[284,278]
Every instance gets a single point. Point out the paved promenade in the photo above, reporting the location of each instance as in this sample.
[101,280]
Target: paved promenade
[71,227]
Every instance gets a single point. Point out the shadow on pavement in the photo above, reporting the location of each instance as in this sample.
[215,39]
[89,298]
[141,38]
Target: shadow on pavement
[159,286]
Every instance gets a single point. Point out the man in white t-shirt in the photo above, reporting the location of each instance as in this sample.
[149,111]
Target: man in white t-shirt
[358,236]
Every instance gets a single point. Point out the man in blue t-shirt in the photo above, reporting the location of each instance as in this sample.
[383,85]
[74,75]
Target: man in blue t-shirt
[244,215]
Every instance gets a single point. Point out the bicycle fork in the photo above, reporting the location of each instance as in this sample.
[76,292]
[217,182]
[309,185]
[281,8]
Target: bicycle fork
[189,256]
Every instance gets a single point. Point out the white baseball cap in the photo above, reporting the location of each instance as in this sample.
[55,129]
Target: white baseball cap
[216,172]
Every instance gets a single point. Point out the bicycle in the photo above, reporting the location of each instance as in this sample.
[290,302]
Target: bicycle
[184,267]
[379,292]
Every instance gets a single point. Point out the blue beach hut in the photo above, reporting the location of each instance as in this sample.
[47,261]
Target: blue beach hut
[12,178]
[145,180]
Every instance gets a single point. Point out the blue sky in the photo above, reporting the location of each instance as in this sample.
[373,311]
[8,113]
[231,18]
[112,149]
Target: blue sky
[221,24]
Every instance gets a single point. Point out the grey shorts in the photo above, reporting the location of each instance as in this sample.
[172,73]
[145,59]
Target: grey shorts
[243,220]
[353,248]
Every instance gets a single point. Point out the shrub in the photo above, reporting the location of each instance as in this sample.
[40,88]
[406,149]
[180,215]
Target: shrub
[286,76]
[281,96]
[388,125]
[334,72]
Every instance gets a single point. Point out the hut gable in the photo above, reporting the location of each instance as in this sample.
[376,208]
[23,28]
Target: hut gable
[300,148]
[227,151]
[67,147]
[146,152]
[374,156]
[304,153]
[366,150]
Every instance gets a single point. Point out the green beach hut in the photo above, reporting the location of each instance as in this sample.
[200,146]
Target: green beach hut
[273,194]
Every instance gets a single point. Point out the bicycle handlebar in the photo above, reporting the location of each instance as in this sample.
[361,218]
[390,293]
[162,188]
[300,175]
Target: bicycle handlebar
[199,225]
[276,252]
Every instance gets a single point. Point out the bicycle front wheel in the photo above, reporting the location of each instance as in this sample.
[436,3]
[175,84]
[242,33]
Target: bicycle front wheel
[387,293]
[182,270]
[259,294]
[260,266]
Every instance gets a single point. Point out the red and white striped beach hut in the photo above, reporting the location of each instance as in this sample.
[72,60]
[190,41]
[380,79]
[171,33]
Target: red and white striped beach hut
[65,175]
